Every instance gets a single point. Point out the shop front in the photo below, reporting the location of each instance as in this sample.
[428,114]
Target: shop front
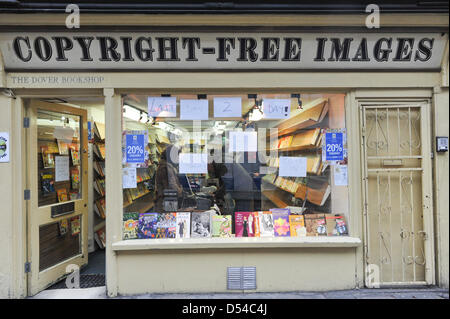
[264,159]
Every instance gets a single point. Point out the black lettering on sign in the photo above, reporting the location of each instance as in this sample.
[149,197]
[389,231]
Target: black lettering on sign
[172,48]
[382,55]
[247,48]
[292,49]
[144,54]
[18,49]
[340,50]
[63,44]
[271,49]
[43,48]
[191,44]
[225,46]
[108,48]
[127,55]
[424,49]
[85,44]
[404,49]
[362,54]
[320,49]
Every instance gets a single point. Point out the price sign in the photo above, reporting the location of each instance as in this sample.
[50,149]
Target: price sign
[162,106]
[135,148]
[334,146]
[227,107]
[193,109]
[276,108]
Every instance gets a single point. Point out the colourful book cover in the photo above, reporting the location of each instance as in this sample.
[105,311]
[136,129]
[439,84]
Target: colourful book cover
[130,224]
[297,224]
[62,195]
[63,227]
[75,178]
[256,224]
[201,224]
[281,222]
[63,148]
[75,225]
[47,158]
[221,226]
[241,222]
[265,224]
[73,195]
[75,157]
[336,226]
[101,236]
[47,184]
[315,224]
[183,225]
[166,225]
[147,225]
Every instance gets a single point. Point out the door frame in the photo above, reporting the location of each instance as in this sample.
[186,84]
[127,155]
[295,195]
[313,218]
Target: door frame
[427,185]
[37,280]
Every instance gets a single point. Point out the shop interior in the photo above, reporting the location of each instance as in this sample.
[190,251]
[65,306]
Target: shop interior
[237,178]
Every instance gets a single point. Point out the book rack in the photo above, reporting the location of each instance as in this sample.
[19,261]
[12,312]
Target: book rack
[99,182]
[300,135]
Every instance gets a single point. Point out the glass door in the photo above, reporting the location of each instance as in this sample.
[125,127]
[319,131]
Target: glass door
[57,179]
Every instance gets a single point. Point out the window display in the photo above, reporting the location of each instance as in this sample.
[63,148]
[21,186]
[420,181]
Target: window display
[58,157]
[237,165]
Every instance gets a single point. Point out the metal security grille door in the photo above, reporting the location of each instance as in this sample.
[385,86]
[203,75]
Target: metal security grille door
[398,203]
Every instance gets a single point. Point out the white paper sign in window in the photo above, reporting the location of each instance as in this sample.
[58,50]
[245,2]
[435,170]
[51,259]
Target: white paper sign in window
[243,141]
[291,166]
[193,109]
[129,179]
[61,168]
[227,107]
[276,108]
[162,106]
[193,163]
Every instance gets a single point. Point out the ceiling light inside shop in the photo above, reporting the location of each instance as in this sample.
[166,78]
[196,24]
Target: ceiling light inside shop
[255,115]
[131,113]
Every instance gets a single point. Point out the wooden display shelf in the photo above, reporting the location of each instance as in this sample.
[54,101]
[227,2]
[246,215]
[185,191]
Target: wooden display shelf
[134,200]
[315,196]
[311,116]
[274,198]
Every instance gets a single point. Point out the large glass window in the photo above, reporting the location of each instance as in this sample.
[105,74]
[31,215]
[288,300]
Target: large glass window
[235,165]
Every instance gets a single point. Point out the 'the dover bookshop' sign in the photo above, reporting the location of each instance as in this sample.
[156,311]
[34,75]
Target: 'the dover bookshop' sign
[194,51]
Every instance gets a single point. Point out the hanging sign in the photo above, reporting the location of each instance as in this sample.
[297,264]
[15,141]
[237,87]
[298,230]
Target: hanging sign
[292,166]
[135,148]
[334,146]
[194,109]
[162,106]
[227,107]
[276,108]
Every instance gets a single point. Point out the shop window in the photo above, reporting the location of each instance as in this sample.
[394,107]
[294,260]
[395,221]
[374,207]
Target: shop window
[235,165]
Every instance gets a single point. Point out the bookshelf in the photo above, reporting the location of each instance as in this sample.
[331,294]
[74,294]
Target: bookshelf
[300,135]
[99,181]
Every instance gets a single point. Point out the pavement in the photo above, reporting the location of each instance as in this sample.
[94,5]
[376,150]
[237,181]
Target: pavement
[394,293]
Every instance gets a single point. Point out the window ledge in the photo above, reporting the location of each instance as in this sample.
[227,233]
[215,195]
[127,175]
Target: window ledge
[205,243]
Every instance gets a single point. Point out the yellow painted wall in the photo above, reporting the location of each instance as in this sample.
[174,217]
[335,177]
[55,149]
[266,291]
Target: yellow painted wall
[279,269]
[441,189]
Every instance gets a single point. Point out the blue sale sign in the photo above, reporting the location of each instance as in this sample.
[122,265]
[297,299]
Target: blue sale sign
[135,148]
[334,146]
